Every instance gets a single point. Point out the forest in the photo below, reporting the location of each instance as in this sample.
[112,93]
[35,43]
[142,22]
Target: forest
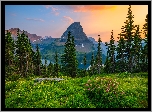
[121,83]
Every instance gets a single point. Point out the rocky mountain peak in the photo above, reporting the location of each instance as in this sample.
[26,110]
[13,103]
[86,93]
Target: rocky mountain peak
[82,43]
[76,31]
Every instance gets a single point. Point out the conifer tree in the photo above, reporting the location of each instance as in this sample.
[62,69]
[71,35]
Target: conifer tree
[56,65]
[111,55]
[136,50]
[92,68]
[23,51]
[98,61]
[9,53]
[128,33]
[50,69]
[37,61]
[68,59]
[145,49]
[121,64]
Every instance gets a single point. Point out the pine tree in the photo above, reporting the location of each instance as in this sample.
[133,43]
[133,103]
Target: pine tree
[136,50]
[9,53]
[121,63]
[98,62]
[68,59]
[92,68]
[56,65]
[145,49]
[23,51]
[37,61]
[110,55]
[50,69]
[128,33]
[29,54]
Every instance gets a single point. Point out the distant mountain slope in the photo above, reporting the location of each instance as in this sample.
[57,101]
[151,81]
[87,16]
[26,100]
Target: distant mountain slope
[32,37]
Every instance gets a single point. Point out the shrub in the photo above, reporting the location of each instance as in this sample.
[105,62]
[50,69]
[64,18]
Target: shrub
[105,92]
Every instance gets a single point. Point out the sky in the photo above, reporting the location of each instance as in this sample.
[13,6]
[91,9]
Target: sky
[53,20]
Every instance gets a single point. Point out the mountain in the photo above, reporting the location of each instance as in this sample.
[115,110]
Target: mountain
[49,45]
[32,37]
[82,43]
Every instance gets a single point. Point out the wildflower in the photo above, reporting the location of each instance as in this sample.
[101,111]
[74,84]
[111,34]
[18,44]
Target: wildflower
[87,85]
[88,88]
[107,89]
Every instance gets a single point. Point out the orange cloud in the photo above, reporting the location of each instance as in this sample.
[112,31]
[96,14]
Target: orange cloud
[85,8]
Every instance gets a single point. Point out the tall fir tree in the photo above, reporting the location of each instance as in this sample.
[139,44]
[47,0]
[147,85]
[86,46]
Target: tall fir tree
[111,55]
[9,53]
[23,53]
[145,49]
[68,59]
[56,65]
[98,61]
[128,34]
[92,68]
[50,69]
[136,50]
[120,57]
[38,61]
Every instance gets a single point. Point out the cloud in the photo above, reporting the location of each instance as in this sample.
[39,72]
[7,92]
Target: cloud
[86,8]
[54,10]
[35,19]
[67,19]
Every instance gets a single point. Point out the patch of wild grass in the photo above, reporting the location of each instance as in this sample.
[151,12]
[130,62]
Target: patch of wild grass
[97,91]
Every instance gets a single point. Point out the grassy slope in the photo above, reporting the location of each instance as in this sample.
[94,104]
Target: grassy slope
[70,93]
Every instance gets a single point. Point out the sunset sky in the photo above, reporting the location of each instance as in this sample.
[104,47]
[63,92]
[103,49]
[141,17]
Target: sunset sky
[53,20]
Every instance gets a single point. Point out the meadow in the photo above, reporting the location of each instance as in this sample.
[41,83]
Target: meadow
[98,91]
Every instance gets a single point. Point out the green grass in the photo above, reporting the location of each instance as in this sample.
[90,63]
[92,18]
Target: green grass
[128,91]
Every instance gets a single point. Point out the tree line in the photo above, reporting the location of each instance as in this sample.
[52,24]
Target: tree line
[129,55]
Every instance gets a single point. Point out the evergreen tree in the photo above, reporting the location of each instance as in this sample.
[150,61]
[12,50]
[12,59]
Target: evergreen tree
[9,53]
[98,61]
[121,63]
[50,69]
[37,61]
[23,53]
[145,49]
[110,55]
[136,50]
[128,34]
[92,68]
[56,65]
[44,68]
[68,59]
